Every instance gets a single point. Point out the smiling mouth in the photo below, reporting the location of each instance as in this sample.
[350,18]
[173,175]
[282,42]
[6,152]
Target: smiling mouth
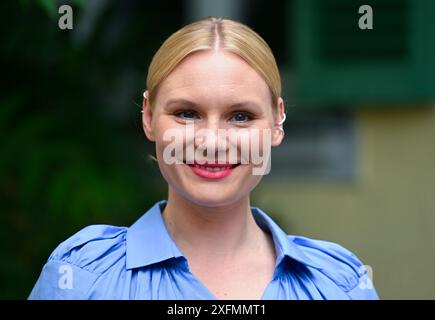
[213,167]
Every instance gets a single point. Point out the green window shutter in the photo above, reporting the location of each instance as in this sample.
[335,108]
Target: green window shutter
[338,63]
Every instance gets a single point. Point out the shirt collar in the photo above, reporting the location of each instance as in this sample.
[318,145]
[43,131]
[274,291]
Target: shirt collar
[284,244]
[149,242]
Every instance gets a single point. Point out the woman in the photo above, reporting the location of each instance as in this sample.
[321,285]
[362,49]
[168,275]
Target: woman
[217,77]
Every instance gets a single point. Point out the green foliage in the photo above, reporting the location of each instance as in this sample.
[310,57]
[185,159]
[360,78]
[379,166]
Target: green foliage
[49,6]
[72,148]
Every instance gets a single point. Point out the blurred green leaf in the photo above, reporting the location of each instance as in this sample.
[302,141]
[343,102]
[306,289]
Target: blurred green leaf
[49,6]
[66,160]
[79,3]
[9,106]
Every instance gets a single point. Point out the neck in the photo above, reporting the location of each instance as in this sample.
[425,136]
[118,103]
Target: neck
[223,231]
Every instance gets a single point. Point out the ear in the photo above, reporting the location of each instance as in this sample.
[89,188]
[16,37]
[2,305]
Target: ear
[278,134]
[147,117]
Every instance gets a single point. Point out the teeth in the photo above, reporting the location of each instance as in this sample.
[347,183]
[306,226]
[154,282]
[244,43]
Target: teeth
[213,168]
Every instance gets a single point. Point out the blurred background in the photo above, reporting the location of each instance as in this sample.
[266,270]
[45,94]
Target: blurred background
[357,166]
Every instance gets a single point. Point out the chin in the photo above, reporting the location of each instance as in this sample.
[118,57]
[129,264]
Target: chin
[212,197]
[213,203]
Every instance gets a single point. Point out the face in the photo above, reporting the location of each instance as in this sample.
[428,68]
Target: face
[212,93]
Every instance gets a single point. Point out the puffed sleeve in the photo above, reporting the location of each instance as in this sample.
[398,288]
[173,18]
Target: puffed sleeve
[75,265]
[365,289]
[341,266]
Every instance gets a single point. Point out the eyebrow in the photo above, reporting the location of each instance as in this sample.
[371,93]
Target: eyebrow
[193,104]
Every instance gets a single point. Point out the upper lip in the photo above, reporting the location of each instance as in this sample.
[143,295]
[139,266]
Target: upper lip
[214,165]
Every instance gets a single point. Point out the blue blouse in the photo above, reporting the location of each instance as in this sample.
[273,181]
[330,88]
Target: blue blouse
[143,262]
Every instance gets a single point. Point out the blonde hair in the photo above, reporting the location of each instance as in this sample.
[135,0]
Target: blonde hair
[211,34]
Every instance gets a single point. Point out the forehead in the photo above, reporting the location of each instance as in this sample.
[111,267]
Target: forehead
[214,75]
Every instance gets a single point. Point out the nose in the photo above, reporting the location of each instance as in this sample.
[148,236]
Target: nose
[212,141]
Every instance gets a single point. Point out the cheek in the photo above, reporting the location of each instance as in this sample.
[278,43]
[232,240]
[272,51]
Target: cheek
[254,144]
[169,137]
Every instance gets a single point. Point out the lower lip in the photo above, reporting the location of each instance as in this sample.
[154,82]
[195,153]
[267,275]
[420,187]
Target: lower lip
[212,175]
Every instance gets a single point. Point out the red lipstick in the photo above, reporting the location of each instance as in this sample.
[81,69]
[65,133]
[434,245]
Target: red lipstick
[212,171]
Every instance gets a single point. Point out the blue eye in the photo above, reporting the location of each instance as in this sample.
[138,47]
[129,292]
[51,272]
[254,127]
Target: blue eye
[241,117]
[188,114]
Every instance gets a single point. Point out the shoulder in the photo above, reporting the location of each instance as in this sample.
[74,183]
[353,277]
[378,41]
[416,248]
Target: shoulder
[338,264]
[93,248]
[77,263]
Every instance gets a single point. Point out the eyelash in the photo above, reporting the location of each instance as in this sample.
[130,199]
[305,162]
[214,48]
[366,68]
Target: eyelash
[178,113]
[247,114]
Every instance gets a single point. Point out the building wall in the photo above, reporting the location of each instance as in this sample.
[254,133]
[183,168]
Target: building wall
[387,214]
